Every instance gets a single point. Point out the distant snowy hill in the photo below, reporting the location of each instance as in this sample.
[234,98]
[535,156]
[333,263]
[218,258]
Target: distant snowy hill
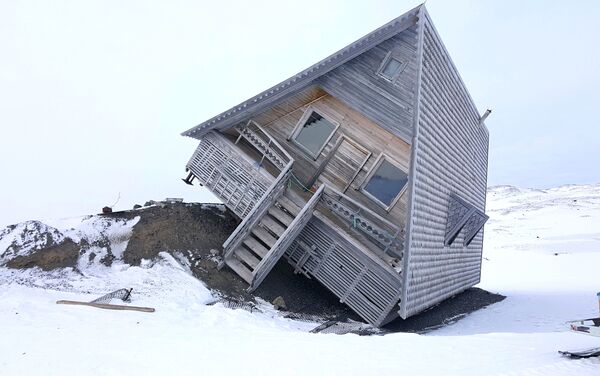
[558,220]
[541,250]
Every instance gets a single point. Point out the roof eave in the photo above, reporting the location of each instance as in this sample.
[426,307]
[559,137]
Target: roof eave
[305,78]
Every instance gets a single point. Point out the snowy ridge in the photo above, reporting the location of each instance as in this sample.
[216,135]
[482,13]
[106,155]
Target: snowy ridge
[95,234]
[541,250]
[557,220]
[25,238]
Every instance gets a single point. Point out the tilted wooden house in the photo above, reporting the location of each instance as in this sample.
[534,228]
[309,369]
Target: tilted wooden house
[367,172]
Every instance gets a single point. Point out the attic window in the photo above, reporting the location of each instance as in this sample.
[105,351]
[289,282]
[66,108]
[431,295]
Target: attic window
[313,132]
[386,182]
[391,67]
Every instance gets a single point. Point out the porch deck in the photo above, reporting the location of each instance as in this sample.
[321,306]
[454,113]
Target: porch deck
[323,235]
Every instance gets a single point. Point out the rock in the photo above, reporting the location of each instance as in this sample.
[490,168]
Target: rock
[150,203]
[279,303]
[214,252]
[136,206]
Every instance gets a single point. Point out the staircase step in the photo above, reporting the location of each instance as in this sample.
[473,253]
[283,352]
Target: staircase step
[264,236]
[256,246]
[273,226]
[289,205]
[246,256]
[240,269]
[281,216]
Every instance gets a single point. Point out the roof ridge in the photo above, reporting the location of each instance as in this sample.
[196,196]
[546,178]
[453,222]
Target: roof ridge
[305,77]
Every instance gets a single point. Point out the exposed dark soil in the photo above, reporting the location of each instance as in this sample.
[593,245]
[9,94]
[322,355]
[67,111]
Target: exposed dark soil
[198,231]
[54,256]
[173,227]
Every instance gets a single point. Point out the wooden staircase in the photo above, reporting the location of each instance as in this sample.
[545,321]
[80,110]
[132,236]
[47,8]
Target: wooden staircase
[256,245]
[259,249]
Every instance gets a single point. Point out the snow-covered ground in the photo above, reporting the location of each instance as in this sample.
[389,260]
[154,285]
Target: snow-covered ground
[542,250]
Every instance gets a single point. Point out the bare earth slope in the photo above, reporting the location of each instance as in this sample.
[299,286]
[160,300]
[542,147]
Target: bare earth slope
[193,234]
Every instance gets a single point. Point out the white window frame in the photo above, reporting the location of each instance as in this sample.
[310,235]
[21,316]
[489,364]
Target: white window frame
[390,55]
[298,128]
[370,174]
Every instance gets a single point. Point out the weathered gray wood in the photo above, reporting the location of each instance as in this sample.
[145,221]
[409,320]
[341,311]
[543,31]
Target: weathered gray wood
[258,211]
[281,215]
[227,172]
[424,119]
[289,205]
[272,226]
[450,156]
[264,236]
[257,247]
[345,165]
[240,269]
[357,84]
[247,109]
[265,144]
[244,255]
[342,164]
[118,307]
[285,239]
[369,287]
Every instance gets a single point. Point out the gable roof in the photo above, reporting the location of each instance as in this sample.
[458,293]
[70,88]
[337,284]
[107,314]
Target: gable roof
[301,80]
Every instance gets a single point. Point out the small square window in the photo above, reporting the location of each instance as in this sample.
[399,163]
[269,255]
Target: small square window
[391,67]
[385,182]
[313,132]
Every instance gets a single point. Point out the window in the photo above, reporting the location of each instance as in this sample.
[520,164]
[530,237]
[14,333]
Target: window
[313,132]
[391,67]
[385,182]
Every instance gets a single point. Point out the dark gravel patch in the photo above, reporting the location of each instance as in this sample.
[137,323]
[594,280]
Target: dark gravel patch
[308,297]
[447,312]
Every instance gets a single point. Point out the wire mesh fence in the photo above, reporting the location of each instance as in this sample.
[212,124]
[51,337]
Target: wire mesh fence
[122,294]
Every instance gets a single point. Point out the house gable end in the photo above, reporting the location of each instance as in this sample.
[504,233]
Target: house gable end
[245,110]
[359,84]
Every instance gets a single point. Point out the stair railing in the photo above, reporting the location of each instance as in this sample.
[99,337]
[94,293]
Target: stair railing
[284,241]
[260,208]
[270,149]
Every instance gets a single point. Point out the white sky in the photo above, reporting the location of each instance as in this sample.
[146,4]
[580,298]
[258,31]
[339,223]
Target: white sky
[94,94]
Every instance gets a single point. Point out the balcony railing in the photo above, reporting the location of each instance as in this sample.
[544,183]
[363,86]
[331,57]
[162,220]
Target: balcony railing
[386,236]
[265,144]
[221,167]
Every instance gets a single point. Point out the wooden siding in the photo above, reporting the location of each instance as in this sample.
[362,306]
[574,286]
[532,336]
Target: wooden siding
[450,155]
[281,120]
[298,82]
[358,85]
[370,289]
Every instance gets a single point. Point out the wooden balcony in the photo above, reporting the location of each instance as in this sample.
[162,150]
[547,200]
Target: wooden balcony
[324,234]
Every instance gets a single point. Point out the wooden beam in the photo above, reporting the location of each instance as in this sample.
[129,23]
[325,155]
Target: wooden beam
[117,307]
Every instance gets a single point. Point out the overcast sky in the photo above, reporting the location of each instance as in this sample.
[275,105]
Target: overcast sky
[94,94]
